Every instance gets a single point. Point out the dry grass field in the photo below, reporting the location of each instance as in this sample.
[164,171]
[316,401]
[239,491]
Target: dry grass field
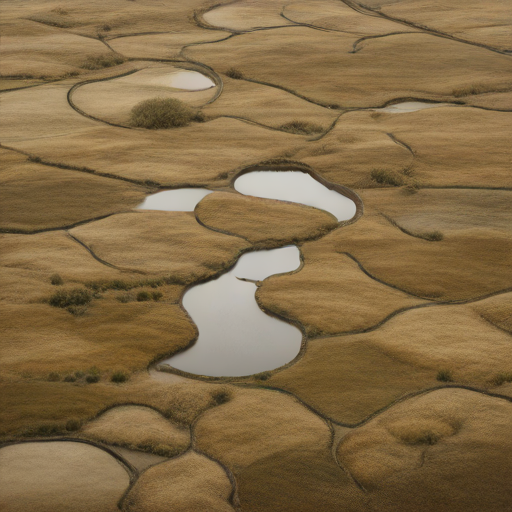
[400,397]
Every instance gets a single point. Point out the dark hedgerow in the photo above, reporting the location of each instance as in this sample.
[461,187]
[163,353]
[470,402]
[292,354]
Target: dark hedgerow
[160,113]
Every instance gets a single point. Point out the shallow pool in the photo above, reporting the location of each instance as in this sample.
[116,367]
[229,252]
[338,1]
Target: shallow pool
[235,337]
[177,200]
[296,187]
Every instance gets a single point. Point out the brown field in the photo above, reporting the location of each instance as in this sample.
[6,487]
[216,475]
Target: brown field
[399,399]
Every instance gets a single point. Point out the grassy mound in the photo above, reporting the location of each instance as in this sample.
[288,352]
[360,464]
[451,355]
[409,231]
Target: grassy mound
[159,113]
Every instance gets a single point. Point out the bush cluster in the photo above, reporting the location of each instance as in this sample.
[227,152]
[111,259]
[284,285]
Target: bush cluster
[106,60]
[160,113]
[301,127]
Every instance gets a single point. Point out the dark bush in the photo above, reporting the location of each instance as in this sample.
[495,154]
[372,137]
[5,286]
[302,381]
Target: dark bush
[69,378]
[143,296]
[73,425]
[56,280]
[119,377]
[66,298]
[162,113]
[235,73]
[384,177]
[221,397]
[106,60]
[54,377]
[444,376]
[156,296]
[92,379]
[301,127]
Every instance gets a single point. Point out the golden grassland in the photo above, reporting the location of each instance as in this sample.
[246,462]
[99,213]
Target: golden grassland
[414,296]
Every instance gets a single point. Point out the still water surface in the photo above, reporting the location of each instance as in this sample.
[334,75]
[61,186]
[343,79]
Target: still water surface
[235,337]
[297,187]
[177,200]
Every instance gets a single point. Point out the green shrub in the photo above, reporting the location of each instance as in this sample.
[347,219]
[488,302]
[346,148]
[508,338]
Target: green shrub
[69,378]
[444,376]
[301,127]
[54,377]
[262,376]
[143,296]
[234,73]
[156,296]
[107,60]
[92,379]
[56,280]
[67,298]
[384,177]
[119,377]
[159,113]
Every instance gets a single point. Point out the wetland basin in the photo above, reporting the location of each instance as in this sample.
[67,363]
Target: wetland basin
[177,200]
[236,338]
[189,81]
[295,187]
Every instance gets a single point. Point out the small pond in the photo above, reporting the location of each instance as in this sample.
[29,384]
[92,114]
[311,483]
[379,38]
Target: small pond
[177,200]
[410,106]
[235,337]
[296,187]
[190,81]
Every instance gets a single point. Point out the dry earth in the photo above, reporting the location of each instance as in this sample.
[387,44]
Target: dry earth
[399,399]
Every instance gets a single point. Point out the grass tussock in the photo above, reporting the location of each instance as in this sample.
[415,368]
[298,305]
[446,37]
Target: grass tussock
[431,236]
[56,280]
[444,376]
[385,177]
[106,60]
[234,73]
[301,128]
[160,113]
[502,378]
[119,377]
[475,89]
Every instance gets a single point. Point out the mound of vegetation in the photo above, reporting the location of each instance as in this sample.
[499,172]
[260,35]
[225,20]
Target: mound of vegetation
[106,60]
[301,127]
[159,113]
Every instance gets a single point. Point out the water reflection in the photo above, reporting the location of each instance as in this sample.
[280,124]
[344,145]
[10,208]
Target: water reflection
[177,200]
[235,337]
[297,187]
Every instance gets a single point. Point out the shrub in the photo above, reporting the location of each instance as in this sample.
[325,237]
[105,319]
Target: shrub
[124,298]
[56,280]
[107,60]
[301,127]
[73,425]
[384,177]
[92,379]
[501,378]
[119,377]
[69,378]
[159,113]
[262,376]
[79,374]
[431,236]
[221,397]
[444,376]
[67,298]
[156,296]
[143,296]
[54,377]
[234,73]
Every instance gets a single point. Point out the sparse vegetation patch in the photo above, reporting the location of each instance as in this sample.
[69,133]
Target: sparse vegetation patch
[106,60]
[73,300]
[234,73]
[385,177]
[301,127]
[444,376]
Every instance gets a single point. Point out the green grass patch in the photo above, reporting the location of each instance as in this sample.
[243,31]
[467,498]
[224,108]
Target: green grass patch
[119,377]
[160,113]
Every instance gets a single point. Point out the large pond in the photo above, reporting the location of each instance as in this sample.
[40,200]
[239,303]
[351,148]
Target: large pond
[177,200]
[235,337]
[297,187]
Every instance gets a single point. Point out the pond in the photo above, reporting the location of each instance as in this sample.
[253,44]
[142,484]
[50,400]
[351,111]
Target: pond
[177,200]
[410,106]
[190,81]
[296,187]
[236,338]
